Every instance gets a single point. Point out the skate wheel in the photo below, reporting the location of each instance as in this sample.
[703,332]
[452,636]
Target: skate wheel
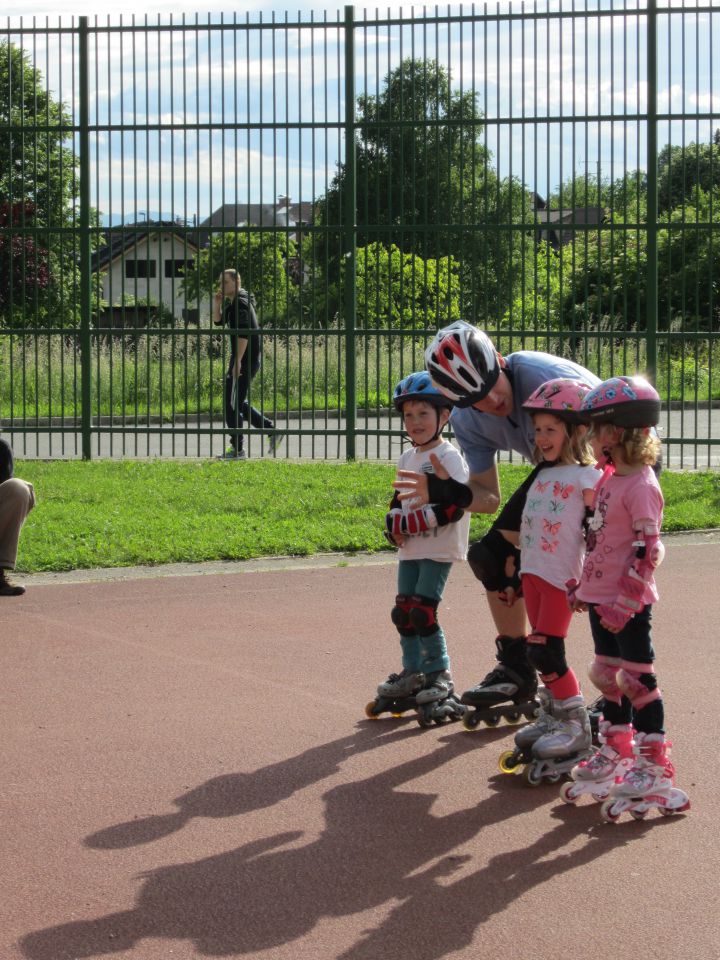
[424,721]
[554,777]
[514,717]
[470,720]
[639,814]
[492,721]
[507,762]
[531,777]
[607,812]
[370,711]
[567,793]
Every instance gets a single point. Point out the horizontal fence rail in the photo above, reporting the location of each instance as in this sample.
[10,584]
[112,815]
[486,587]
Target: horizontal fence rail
[548,171]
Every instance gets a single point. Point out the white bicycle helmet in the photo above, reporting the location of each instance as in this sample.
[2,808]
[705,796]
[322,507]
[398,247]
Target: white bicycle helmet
[462,363]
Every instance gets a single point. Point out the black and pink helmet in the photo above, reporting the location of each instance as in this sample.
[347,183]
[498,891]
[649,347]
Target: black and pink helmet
[463,363]
[623,401]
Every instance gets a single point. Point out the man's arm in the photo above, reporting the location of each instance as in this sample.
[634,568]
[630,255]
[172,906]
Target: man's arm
[486,491]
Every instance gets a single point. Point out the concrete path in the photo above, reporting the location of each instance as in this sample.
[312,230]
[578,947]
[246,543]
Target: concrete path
[188,773]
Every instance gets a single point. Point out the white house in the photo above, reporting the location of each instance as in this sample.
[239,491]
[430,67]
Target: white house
[143,262]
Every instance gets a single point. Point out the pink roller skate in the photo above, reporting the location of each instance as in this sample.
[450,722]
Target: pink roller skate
[597,774]
[650,782]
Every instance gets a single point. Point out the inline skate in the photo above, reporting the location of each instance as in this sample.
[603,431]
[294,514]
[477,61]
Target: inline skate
[596,775]
[507,692]
[563,739]
[431,697]
[436,702]
[648,783]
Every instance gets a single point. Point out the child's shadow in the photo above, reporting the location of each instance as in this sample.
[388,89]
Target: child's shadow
[276,889]
[233,794]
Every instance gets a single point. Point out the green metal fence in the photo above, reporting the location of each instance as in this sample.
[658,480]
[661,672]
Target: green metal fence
[550,171]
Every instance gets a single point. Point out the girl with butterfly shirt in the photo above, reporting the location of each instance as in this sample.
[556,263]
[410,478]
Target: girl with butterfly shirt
[552,548]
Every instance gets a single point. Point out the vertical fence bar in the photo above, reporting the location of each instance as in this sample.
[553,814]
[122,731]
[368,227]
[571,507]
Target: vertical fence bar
[350,236]
[652,191]
[85,246]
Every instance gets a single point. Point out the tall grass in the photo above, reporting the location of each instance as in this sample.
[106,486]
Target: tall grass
[181,373]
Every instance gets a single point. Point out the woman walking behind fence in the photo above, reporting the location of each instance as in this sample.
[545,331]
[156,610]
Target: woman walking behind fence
[245,358]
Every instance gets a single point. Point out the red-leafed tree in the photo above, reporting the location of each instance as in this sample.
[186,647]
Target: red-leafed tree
[24,263]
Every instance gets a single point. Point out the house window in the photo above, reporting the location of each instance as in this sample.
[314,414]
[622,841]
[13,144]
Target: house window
[176,268]
[140,269]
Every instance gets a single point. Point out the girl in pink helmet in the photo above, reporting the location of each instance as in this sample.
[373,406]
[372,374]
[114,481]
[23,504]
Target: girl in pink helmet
[552,546]
[632,768]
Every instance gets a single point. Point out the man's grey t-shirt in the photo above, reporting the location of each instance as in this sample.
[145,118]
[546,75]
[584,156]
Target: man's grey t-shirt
[481,435]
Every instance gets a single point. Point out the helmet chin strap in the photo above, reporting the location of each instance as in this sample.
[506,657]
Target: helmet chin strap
[606,464]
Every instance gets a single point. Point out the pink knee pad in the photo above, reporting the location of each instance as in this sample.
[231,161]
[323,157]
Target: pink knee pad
[638,683]
[603,673]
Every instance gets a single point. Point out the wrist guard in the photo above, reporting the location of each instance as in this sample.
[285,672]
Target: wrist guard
[448,493]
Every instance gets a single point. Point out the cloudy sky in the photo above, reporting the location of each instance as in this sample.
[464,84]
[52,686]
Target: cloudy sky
[184,87]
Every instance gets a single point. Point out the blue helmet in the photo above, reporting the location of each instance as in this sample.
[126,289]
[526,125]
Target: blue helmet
[419,386]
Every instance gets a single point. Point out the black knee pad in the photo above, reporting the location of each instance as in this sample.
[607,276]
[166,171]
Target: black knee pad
[487,559]
[400,616]
[547,655]
[423,615]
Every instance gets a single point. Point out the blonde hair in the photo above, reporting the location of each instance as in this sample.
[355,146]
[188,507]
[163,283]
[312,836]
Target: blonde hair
[232,272]
[639,446]
[576,446]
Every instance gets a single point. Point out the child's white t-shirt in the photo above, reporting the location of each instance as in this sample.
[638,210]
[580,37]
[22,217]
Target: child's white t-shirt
[552,545]
[444,544]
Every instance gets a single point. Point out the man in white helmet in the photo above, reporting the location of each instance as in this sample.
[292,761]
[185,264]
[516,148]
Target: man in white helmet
[488,391]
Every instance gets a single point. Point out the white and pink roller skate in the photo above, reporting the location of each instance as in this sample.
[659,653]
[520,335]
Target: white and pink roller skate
[650,782]
[596,775]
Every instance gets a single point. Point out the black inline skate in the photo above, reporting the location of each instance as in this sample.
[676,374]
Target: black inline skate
[508,692]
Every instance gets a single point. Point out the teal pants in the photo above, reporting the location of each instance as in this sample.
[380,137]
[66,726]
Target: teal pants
[424,578]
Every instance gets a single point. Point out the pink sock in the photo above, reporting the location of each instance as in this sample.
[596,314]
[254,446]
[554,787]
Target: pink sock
[567,686]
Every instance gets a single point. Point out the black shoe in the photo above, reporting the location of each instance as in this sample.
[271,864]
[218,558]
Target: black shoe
[232,454]
[8,588]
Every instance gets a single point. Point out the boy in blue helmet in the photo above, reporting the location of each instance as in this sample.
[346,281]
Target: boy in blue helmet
[429,539]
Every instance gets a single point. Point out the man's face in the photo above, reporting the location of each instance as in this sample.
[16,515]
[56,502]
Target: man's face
[228,285]
[499,402]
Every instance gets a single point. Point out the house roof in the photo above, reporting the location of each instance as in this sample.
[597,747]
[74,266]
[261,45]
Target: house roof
[551,222]
[124,237]
[284,213]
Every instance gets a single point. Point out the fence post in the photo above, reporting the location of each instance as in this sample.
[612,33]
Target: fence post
[652,191]
[350,236]
[85,258]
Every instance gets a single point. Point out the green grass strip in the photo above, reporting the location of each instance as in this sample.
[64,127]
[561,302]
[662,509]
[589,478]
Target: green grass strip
[120,513]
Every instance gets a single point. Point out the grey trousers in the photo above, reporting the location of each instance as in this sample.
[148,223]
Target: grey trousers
[17,498]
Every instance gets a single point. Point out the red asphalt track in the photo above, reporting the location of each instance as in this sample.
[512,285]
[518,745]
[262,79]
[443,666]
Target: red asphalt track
[187,772]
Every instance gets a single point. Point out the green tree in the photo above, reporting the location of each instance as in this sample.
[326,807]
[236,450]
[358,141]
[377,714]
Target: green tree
[425,185]
[682,170]
[401,290]
[689,263]
[261,262]
[38,191]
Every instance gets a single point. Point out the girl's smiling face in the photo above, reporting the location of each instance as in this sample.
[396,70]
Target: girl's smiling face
[550,434]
